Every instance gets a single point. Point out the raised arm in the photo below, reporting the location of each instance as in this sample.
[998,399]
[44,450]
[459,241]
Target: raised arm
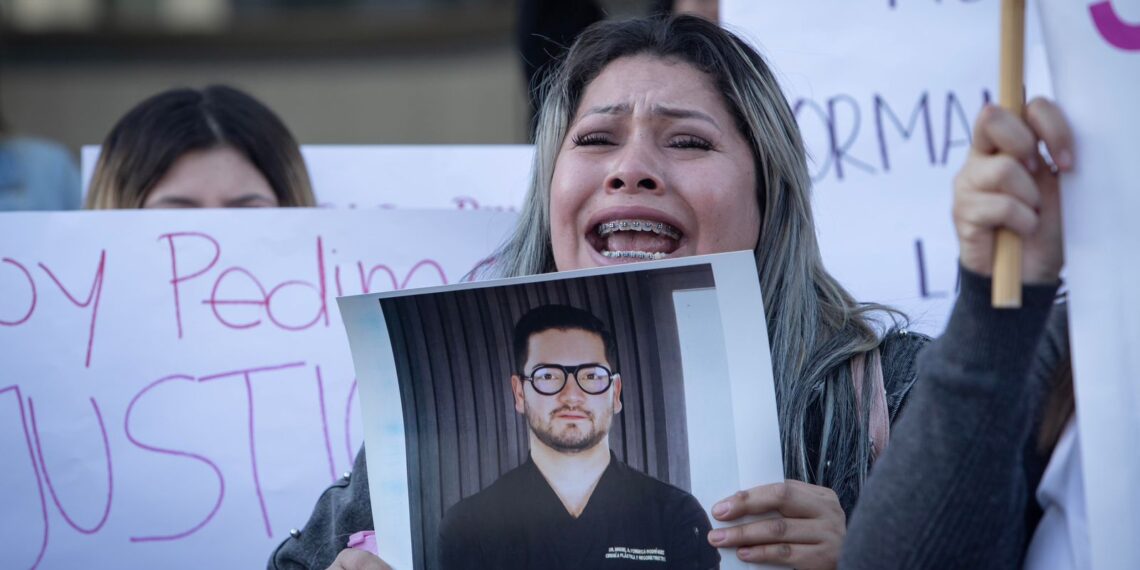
[951,489]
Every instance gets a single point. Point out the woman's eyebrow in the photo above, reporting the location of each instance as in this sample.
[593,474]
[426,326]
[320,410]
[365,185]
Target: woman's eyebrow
[614,109]
[251,198]
[659,110]
[179,201]
[680,113]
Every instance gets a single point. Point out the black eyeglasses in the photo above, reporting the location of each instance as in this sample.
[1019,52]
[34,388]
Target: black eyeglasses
[550,379]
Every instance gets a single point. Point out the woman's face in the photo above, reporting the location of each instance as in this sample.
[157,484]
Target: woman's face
[652,166]
[219,177]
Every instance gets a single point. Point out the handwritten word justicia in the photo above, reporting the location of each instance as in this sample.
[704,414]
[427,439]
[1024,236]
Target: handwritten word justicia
[57,487]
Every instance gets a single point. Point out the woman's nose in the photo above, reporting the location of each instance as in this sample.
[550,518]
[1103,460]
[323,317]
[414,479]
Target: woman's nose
[637,169]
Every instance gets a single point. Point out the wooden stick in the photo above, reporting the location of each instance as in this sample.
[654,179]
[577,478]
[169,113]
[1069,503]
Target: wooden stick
[1006,292]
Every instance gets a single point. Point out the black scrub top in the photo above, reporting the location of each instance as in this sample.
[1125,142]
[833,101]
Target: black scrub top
[630,521]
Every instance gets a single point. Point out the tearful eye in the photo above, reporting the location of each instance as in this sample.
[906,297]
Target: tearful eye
[690,142]
[592,139]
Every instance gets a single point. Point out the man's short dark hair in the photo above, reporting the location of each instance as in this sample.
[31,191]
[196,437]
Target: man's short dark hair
[559,317]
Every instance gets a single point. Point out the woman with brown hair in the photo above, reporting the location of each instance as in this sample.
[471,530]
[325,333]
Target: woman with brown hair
[215,147]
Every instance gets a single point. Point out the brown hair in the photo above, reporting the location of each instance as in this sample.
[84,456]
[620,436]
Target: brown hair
[143,145]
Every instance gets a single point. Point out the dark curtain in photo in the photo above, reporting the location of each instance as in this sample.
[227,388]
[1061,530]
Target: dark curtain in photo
[454,362]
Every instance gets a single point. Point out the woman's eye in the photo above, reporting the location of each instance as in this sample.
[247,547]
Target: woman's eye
[687,142]
[592,139]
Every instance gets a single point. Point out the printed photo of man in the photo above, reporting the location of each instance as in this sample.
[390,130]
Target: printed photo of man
[572,503]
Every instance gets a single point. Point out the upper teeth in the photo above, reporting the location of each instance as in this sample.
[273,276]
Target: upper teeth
[607,228]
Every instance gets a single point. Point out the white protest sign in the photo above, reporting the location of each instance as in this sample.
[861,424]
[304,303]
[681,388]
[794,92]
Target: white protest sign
[177,388]
[885,92]
[464,177]
[1094,55]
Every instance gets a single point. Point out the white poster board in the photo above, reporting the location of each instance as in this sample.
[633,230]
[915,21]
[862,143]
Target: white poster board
[1094,55]
[453,177]
[177,390]
[886,92]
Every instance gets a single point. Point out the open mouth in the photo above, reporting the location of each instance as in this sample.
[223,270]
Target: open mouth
[635,239]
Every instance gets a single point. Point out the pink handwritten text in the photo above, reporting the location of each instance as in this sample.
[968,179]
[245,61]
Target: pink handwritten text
[1115,31]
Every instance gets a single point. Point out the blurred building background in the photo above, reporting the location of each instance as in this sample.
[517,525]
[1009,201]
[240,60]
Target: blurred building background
[337,71]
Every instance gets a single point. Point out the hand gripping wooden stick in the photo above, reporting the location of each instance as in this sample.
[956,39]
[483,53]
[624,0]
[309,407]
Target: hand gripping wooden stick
[1006,292]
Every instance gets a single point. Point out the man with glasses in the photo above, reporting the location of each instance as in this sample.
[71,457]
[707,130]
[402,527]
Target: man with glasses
[573,503]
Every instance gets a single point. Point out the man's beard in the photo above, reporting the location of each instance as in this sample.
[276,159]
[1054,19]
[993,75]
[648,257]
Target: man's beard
[570,439]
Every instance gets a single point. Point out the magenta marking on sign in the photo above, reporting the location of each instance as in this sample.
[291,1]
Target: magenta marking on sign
[47,474]
[425,263]
[269,306]
[35,469]
[250,371]
[175,279]
[466,202]
[213,301]
[325,425]
[366,277]
[245,374]
[32,284]
[366,280]
[1115,31]
[265,300]
[95,294]
[218,472]
[348,423]
[324,279]
[253,456]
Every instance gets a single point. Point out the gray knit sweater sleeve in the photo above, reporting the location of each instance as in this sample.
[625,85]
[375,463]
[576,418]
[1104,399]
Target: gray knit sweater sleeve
[951,489]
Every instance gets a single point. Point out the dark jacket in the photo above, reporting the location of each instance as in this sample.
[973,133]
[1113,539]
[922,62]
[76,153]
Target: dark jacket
[955,486]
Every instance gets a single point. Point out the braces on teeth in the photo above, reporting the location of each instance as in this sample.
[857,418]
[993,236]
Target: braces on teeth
[638,226]
[645,255]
